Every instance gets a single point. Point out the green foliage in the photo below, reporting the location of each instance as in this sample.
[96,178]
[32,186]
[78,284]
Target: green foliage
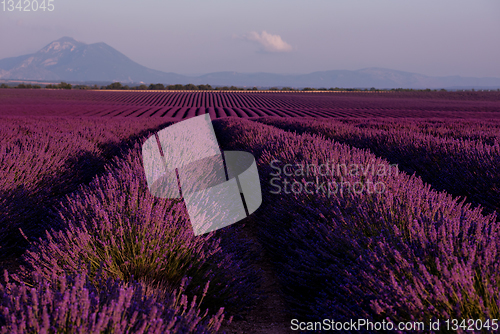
[115,85]
[190,87]
[158,86]
[81,87]
[229,88]
[21,85]
[175,87]
[205,87]
[62,85]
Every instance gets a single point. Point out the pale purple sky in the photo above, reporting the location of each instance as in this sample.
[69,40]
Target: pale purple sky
[431,37]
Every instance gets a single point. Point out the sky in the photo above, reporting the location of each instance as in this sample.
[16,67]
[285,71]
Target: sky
[430,37]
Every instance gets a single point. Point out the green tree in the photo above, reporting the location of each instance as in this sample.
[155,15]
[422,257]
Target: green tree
[63,85]
[190,87]
[81,87]
[205,87]
[175,87]
[115,85]
[158,86]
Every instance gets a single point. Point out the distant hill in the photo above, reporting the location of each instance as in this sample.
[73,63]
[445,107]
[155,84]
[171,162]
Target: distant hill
[69,60]
[365,78]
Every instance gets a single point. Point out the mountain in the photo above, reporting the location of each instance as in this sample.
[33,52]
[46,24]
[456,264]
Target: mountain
[69,60]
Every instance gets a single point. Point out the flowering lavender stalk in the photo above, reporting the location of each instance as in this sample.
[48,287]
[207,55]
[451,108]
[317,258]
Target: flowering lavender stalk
[461,157]
[42,159]
[76,304]
[408,253]
[116,222]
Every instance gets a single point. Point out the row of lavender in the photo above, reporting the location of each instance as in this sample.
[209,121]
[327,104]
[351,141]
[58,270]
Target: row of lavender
[454,101]
[74,304]
[37,147]
[249,104]
[326,249]
[41,159]
[399,251]
[119,260]
[487,131]
[179,113]
[464,159]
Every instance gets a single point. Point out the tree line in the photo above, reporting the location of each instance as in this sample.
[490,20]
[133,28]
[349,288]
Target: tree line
[159,86]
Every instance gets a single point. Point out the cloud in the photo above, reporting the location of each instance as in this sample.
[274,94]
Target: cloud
[269,43]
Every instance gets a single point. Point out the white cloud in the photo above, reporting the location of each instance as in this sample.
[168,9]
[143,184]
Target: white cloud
[269,42]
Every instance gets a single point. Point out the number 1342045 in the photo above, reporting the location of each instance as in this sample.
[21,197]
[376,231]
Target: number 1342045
[27,5]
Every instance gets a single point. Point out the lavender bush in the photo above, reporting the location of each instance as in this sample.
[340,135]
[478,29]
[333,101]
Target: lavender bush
[452,161]
[114,221]
[407,253]
[487,131]
[35,148]
[76,304]
[42,159]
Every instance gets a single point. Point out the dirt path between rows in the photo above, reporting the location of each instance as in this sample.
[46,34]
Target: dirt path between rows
[268,315]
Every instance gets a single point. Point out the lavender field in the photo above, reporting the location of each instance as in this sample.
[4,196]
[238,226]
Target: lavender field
[376,206]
